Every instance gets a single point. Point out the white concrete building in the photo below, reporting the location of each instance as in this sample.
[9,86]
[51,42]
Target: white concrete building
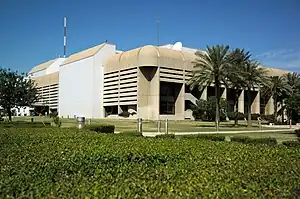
[150,80]
[81,82]
[46,77]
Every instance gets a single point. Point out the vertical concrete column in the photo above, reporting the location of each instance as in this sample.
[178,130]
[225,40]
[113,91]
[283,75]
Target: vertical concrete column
[241,102]
[119,107]
[255,106]
[179,104]
[269,109]
[224,93]
[153,97]
[204,94]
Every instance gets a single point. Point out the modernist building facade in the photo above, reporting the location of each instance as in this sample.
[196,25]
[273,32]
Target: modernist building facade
[149,82]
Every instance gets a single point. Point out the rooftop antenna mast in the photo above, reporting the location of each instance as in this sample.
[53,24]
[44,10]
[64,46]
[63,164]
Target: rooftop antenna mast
[157,26]
[65,36]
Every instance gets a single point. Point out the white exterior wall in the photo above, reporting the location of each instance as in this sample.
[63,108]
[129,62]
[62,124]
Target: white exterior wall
[100,58]
[81,85]
[75,89]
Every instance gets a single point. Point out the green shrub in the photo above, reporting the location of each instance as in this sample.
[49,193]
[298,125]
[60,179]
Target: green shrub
[247,140]
[72,163]
[23,124]
[292,143]
[254,116]
[231,115]
[212,137]
[242,139]
[241,116]
[101,128]
[167,136]
[269,118]
[56,121]
[297,131]
[130,133]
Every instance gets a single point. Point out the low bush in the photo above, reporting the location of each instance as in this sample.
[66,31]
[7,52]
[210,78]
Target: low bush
[269,118]
[242,139]
[292,143]
[254,116]
[297,132]
[101,128]
[212,137]
[130,133]
[21,124]
[124,114]
[56,121]
[247,140]
[166,136]
[231,115]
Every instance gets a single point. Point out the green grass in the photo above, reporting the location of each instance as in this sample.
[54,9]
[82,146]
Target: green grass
[151,126]
[67,163]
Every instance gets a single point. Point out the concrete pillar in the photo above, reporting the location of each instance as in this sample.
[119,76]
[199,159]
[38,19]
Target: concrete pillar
[204,94]
[269,109]
[241,102]
[255,106]
[179,104]
[148,93]
[224,93]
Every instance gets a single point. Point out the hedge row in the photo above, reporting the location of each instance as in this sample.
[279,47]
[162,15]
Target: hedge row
[292,143]
[22,124]
[248,140]
[101,128]
[205,137]
[297,131]
[65,163]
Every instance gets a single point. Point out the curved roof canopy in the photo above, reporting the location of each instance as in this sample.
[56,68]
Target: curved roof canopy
[150,56]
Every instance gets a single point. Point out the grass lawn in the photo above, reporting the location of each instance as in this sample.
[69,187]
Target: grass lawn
[67,163]
[123,125]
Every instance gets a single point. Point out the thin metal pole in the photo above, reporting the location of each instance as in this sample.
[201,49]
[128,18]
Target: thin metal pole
[158,32]
[166,126]
[140,125]
[158,126]
[65,36]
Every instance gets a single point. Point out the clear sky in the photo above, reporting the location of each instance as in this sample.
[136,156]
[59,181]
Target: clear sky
[31,31]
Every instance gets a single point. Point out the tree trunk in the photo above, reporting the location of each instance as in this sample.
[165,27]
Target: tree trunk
[9,114]
[217,90]
[249,107]
[236,110]
[275,108]
[282,112]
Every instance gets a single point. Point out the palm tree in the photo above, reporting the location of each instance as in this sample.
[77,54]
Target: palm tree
[293,80]
[238,58]
[209,68]
[277,88]
[253,76]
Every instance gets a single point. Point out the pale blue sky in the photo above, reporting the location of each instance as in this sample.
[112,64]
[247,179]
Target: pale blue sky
[31,31]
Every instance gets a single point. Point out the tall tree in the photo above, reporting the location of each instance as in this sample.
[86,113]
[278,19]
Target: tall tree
[238,59]
[209,69]
[277,88]
[292,101]
[16,90]
[253,76]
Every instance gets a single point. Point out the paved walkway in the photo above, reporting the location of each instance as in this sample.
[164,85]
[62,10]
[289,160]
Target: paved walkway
[153,134]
